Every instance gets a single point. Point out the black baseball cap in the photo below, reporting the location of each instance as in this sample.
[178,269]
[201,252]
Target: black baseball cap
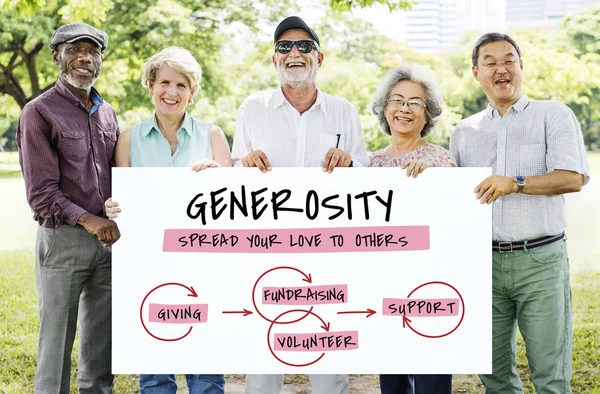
[294,22]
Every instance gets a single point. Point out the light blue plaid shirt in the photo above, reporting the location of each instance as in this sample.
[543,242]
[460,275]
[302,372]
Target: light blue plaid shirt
[532,138]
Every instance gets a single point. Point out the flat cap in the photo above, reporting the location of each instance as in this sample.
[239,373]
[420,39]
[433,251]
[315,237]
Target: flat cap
[294,22]
[78,31]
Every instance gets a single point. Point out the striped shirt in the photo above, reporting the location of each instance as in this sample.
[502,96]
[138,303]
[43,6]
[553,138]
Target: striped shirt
[66,154]
[532,138]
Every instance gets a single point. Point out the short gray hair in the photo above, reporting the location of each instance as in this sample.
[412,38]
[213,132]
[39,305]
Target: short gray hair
[177,58]
[433,95]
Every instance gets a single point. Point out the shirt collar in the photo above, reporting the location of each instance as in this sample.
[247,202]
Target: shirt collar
[187,125]
[97,100]
[278,99]
[519,106]
[95,97]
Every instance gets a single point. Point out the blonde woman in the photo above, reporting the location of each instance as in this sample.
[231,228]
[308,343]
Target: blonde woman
[172,138]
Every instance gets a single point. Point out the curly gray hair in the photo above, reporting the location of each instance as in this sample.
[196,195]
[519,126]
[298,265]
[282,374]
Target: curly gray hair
[434,102]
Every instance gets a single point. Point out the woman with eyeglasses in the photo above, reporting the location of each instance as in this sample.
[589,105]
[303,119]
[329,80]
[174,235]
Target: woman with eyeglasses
[408,104]
[172,138]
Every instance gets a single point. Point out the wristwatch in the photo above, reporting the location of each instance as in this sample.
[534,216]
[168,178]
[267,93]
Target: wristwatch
[520,181]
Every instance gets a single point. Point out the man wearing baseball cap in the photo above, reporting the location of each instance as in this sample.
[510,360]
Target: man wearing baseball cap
[66,139]
[297,125]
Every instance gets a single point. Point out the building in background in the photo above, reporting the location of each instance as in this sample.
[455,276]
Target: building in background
[541,13]
[433,25]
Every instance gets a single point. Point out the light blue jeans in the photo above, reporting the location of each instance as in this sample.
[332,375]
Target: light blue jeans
[531,291]
[197,384]
[273,384]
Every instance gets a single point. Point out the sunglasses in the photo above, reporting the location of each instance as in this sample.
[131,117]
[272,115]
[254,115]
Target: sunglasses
[304,46]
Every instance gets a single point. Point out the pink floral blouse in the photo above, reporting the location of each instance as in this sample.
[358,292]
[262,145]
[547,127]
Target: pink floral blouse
[434,155]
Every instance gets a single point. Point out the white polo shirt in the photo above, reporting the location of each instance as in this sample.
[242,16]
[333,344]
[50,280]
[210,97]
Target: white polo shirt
[266,121]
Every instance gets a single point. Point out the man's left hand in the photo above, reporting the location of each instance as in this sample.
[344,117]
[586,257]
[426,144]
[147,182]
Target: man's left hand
[336,158]
[495,186]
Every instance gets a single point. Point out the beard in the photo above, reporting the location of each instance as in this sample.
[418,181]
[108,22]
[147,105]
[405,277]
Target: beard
[77,82]
[297,77]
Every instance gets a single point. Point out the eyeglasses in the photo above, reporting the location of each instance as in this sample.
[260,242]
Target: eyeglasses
[304,46]
[411,104]
[507,64]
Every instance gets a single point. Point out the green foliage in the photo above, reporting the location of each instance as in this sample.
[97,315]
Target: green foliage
[18,342]
[582,30]
[347,5]
[351,38]
[563,64]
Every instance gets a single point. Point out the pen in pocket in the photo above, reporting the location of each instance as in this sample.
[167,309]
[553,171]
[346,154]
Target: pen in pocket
[337,144]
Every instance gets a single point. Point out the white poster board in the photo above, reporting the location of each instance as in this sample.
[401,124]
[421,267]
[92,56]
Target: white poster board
[236,271]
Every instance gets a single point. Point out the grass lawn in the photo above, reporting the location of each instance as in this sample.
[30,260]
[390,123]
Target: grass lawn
[18,339]
[594,160]
[9,158]
[20,324]
[10,171]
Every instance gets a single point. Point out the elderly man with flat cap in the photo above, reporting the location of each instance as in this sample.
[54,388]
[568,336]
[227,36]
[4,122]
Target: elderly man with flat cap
[297,125]
[66,139]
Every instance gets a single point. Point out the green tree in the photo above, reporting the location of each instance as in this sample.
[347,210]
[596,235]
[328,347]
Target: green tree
[136,31]
[347,5]
[555,68]
[582,30]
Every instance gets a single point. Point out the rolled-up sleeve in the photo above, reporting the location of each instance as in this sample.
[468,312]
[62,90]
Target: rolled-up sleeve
[40,165]
[565,149]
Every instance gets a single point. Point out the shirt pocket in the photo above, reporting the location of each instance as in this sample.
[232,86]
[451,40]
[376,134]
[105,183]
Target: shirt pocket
[73,145]
[532,160]
[109,138]
[328,141]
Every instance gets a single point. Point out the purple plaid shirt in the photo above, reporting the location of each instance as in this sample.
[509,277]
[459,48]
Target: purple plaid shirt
[66,154]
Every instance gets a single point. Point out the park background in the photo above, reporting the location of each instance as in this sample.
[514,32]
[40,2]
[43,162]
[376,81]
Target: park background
[233,43]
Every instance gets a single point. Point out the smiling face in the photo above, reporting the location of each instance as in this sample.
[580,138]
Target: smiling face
[404,121]
[296,69]
[79,63]
[500,81]
[171,92]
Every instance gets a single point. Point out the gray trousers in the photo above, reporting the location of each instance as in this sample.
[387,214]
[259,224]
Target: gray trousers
[272,384]
[73,277]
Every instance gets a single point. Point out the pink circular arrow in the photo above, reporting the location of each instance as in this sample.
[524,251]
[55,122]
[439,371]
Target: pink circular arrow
[307,278]
[325,327]
[406,321]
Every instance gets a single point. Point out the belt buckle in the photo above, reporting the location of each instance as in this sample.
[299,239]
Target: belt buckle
[505,244]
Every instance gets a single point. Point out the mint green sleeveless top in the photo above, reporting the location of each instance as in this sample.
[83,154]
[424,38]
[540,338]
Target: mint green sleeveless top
[150,149]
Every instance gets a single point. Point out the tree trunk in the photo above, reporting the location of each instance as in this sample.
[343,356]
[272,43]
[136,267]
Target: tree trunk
[13,88]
